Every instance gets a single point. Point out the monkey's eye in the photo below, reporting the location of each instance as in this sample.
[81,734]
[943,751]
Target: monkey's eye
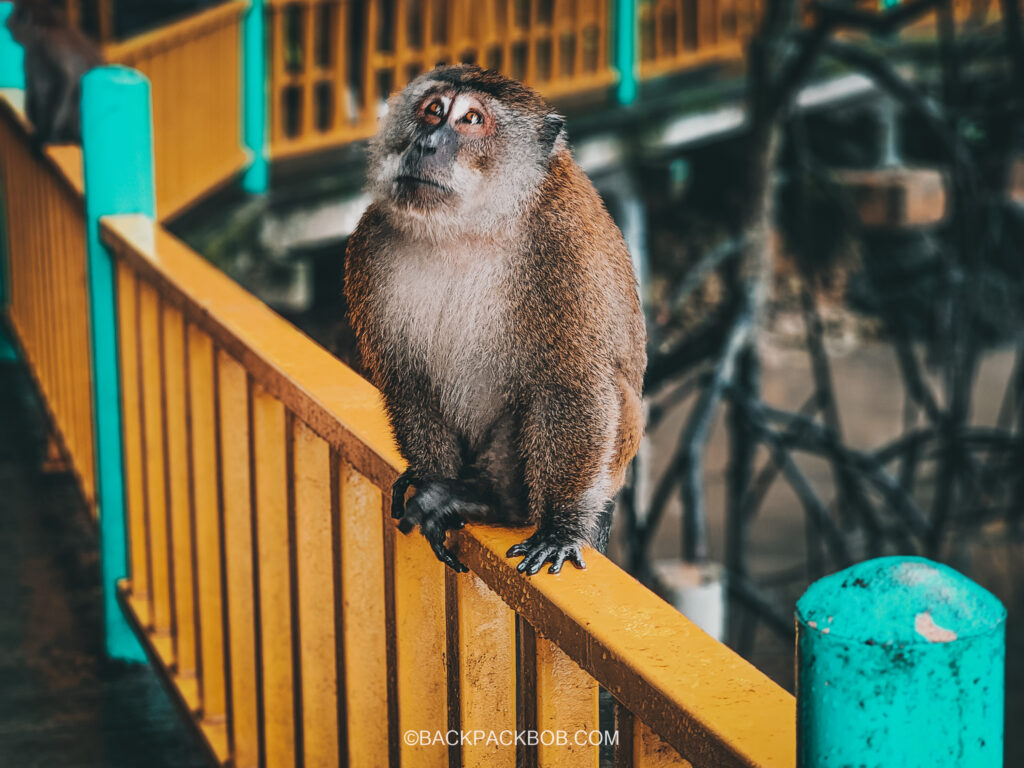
[434,111]
[472,117]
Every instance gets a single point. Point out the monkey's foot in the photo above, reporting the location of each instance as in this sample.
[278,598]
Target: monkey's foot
[401,485]
[543,547]
[438,507]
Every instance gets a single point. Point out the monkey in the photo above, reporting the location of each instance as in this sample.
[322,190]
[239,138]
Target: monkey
[496,308]
[56,57]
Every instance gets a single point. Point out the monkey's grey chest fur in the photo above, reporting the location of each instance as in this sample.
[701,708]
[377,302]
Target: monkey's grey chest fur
[448,312]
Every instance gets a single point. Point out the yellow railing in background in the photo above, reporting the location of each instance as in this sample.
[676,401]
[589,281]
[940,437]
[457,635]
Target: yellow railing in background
[47,285]
[95,16]
[273,591]
[193,66]
[332,64]
[678,34]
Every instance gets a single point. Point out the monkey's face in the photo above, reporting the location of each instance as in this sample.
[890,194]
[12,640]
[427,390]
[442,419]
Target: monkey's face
[448,141]
[28,18]
[449,157]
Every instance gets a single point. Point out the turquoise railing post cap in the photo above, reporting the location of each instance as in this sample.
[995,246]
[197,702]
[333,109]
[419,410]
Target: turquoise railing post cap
[115,74]
[899,600]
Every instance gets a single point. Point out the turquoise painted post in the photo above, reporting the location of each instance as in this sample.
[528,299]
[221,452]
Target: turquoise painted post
[117,152]
[256,178]
[12,75]
[625,25]
[12,55]
[900,661]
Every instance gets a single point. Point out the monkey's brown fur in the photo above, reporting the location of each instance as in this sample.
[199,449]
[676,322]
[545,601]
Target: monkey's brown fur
[549,416]
[56,57]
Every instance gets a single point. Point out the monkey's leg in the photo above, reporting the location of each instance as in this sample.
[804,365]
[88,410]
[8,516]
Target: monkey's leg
[430,447]
[496,476]
[566,443]
[434,453]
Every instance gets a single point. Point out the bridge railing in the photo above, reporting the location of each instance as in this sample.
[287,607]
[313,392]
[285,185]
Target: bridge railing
[194,67]
[266,579]
[325,67]
[679,34]
[46,283]
[334,63]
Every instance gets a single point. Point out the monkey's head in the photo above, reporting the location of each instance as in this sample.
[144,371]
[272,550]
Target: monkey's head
[462,149]
[30,17]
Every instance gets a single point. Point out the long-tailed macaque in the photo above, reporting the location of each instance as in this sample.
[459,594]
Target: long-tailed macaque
[496,308]
[56,57]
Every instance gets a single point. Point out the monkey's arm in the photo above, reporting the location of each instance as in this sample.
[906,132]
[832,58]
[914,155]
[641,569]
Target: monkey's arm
[564,444]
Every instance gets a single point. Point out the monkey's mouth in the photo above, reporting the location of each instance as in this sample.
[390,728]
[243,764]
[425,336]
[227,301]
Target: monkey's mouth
[415,181]
[419,193]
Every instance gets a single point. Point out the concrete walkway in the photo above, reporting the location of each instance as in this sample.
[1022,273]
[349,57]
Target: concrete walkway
[61,702]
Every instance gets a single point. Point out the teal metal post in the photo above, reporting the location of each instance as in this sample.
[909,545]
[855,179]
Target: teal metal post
[12,56]
[117,152]
[256,178]
[12,75]
[625,25]
[900,661]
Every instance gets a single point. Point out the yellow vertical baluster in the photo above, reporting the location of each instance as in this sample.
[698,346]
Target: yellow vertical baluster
[487,671]
[202,426]
[275,584]
[312,472]
[236,509]
[178,477]
[131,426]
[421,647]
[362,547]
[150,395]
[566,703]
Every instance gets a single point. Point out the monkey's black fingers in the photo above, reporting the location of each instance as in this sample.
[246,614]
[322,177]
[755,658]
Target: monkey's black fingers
[541,548]
[517,549]
[574,555]
[405,525]
[401,485]
[435,530]
[535,560]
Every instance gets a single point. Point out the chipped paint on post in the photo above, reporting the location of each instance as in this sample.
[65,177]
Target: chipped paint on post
[900,661]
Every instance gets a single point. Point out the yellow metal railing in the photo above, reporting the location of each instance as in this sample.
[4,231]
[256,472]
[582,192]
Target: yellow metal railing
[332,64]
[676,35]
[193,66]
[271,586]
[268,583]
[47,285]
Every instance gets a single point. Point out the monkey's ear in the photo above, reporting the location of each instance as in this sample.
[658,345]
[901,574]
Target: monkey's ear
[550,130]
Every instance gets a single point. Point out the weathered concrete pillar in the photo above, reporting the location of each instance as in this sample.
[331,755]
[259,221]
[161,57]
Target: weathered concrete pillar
[900,662]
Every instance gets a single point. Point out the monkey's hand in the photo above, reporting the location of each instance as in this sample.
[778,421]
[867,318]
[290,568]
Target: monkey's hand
[546,546]
[401,485]
[437,507]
